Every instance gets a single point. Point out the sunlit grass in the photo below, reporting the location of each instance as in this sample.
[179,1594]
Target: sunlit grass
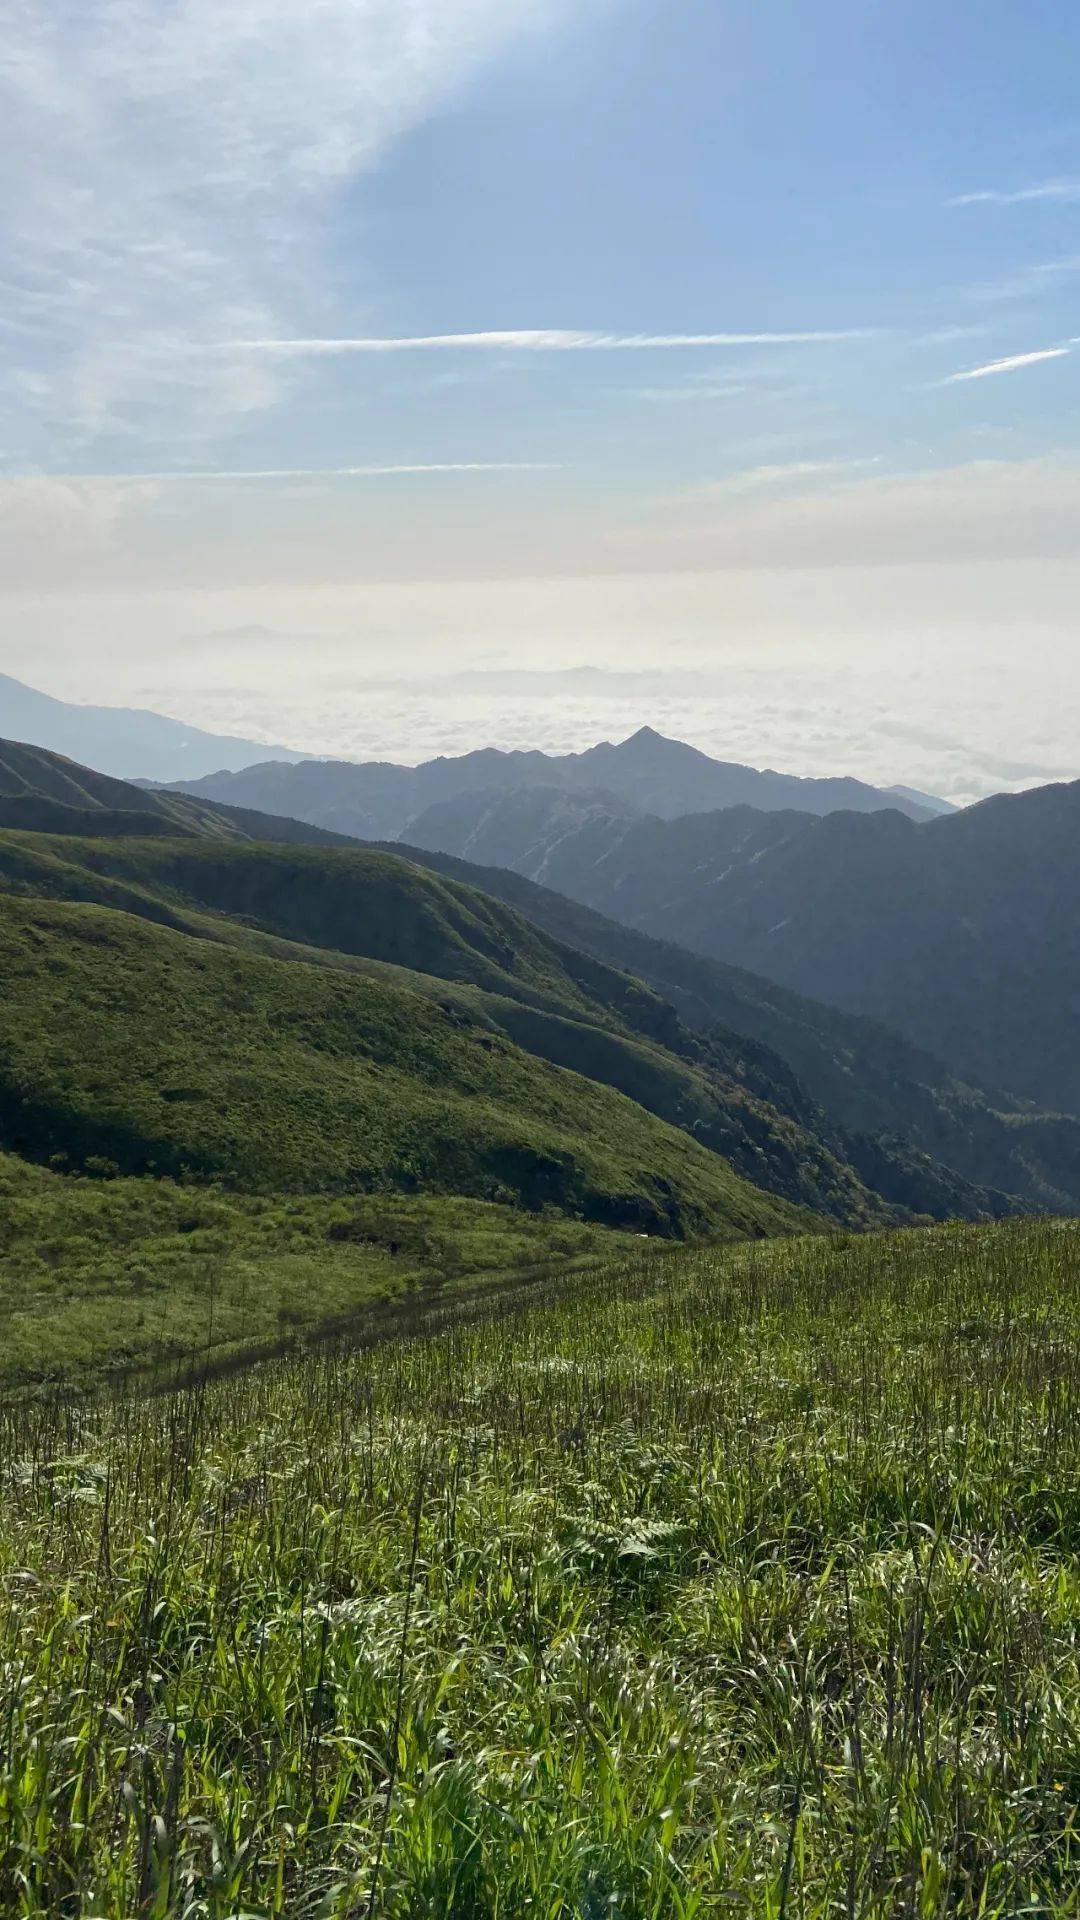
[102,1276]
[738,1582]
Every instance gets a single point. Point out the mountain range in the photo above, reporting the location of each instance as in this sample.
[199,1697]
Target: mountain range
[875,1086]
[958,930]
[815,1108]
[378,799]
[645,774]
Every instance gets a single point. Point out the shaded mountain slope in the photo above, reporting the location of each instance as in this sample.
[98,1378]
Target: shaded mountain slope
[962,932]
[867,1079]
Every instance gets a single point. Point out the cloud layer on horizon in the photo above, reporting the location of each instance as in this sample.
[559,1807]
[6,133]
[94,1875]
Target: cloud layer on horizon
[452,520]
[820,671]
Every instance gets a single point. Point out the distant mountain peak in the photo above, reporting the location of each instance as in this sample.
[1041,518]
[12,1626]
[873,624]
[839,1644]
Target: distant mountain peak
[127,743]
[648,771]
[658,746]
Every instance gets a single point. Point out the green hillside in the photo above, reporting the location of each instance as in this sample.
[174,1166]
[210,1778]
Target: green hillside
[495,972]
[212,1136]
[42,792]
[99,1275]
[131,1044]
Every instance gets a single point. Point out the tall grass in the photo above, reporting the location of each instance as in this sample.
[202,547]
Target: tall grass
[725,1583]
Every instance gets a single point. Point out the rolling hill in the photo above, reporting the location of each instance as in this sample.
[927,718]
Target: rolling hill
[537,985]
[44,792]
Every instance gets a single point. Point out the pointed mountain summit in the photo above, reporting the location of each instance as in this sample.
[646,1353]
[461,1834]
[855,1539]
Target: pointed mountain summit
[647,773]
[667,777]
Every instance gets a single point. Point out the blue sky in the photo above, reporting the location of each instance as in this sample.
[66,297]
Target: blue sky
[625,167]
[748,288]
[690,167]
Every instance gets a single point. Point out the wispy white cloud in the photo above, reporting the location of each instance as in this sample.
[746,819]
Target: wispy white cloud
[783,474]
[1012,364]
[1035,281]
[1061,189]
[167,168]
[228,475]
[535,340]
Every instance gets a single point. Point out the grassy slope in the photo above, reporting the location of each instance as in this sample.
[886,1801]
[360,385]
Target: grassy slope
[42,792]
[952,1147]
[382,916]
[355,901]
[751,1107]
[739,1582]
[107,1274]
[130,1042]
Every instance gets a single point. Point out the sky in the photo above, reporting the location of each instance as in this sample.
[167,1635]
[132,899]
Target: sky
[397,376]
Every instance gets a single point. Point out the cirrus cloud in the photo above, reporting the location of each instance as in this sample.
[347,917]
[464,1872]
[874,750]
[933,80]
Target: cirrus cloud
[167,169]
[1013,363]
[536,340]
[1067,189]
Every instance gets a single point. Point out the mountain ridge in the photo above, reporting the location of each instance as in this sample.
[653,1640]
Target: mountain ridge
[961,932]
[647,772]
[42,791]
[734,1085]
[357,910]
[124,742]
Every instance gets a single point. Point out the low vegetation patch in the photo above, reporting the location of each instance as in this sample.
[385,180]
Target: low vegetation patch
[100,1274]
[733,1581]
